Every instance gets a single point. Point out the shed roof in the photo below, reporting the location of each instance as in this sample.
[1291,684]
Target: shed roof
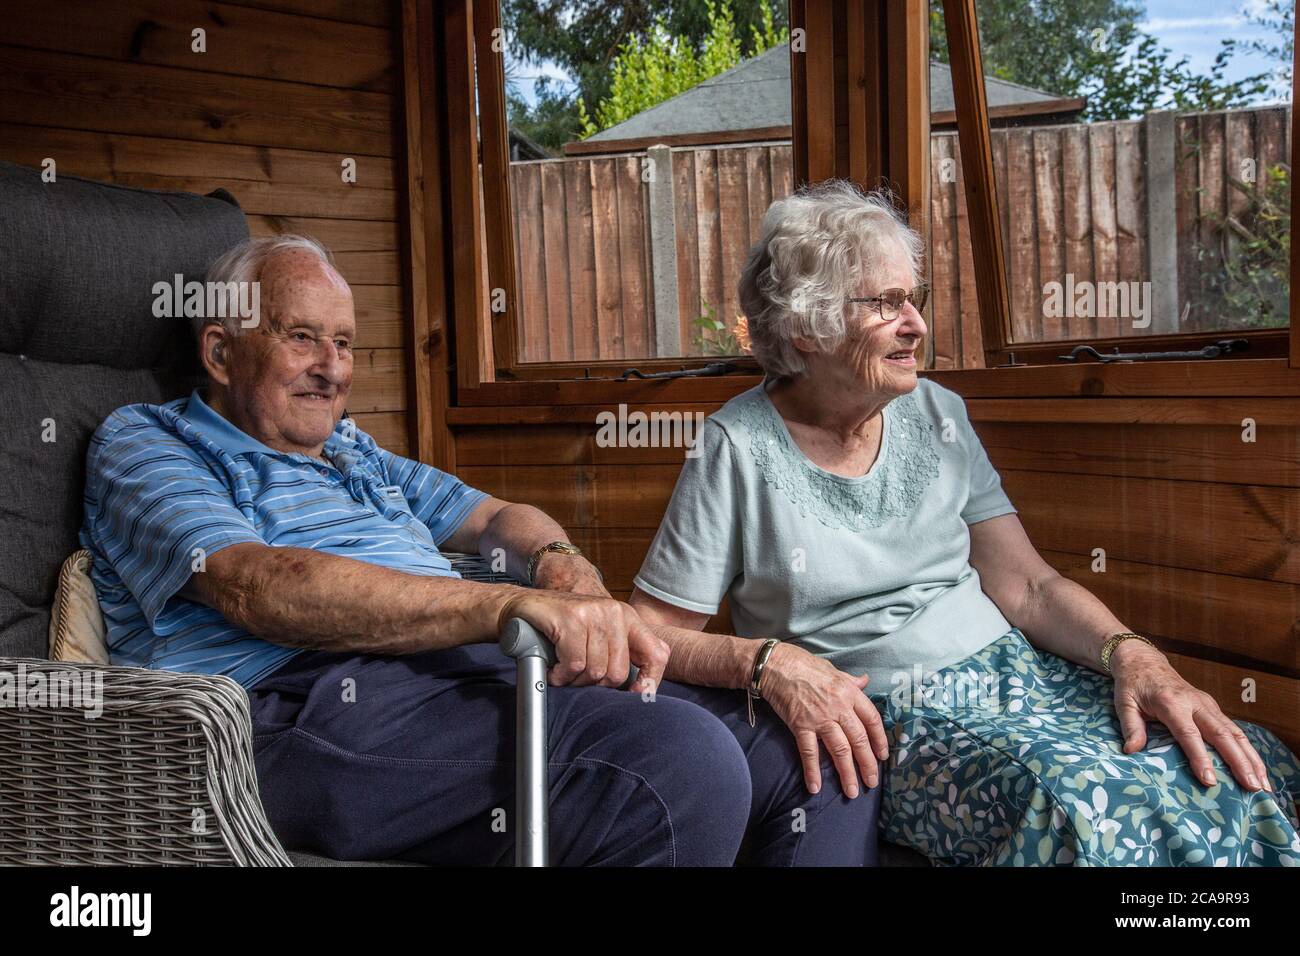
[755,95]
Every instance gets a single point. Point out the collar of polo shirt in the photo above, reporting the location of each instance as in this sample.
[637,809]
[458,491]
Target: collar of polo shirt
[224,432]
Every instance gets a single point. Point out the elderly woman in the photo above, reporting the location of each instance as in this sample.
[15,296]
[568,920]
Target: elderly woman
[850,515]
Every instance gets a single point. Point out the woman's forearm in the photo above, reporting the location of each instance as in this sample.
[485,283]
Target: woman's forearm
[1064,617]
[708,660]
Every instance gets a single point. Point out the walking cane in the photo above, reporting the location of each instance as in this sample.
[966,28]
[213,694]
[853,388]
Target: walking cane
[533,656]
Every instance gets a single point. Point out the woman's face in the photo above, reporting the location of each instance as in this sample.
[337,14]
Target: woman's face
[879,354]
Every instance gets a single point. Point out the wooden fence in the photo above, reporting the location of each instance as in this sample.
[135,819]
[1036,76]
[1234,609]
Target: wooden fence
[619,256]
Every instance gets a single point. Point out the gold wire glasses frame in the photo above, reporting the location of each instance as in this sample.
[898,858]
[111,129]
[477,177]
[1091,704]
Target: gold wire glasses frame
[889,304]
[302,343]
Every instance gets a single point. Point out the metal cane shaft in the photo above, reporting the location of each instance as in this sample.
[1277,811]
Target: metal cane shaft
[531,784]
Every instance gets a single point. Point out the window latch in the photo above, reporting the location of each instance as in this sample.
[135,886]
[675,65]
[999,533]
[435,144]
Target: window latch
[1217,350]
[704,371]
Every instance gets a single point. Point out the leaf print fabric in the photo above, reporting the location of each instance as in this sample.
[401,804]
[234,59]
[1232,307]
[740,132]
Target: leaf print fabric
[1029,771]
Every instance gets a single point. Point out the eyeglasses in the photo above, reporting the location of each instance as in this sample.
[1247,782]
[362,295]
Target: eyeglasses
[889,304]
[302,344]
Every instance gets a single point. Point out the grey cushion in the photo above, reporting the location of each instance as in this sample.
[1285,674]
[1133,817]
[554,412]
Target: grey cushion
[78,338]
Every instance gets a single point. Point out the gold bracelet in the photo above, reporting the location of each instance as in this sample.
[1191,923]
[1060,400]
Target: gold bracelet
[1113,642]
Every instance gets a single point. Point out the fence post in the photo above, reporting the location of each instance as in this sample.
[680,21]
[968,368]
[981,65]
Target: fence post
[1162,218]
[663,252]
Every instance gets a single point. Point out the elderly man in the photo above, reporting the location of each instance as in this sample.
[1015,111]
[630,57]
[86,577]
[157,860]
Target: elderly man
[252,531]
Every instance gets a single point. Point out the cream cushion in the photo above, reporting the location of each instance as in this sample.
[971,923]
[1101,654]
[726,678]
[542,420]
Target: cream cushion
[77,631]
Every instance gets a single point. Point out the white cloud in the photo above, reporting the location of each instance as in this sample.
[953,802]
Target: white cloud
[1168,24]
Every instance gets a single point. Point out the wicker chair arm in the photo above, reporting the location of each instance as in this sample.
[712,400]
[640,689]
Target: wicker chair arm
[123,766]
[474,567]
[127,765]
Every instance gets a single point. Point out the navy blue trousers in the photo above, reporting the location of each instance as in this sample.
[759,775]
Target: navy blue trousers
[363,757]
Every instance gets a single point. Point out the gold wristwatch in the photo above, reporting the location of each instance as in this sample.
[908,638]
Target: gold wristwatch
[1113,642]
[558,547]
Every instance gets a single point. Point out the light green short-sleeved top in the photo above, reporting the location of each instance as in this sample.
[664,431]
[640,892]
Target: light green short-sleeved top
[872,573]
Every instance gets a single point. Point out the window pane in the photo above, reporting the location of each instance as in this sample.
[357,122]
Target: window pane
[639,181]
[1141,165]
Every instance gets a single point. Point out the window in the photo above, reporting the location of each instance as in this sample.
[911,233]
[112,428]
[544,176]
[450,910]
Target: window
[1142,200]
[636,182]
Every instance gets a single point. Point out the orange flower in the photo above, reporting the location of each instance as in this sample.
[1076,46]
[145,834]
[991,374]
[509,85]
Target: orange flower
[741,331]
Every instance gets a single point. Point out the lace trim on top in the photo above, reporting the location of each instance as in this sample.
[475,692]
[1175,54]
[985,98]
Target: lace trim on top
[906,465]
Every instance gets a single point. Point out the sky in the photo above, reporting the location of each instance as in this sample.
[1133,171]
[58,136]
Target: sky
[1195,30]
[1191,29]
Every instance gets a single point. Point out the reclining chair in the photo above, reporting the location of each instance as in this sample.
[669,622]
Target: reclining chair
[165,774]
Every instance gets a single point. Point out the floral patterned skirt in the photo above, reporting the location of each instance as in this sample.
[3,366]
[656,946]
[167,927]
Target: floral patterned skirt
[1013,757]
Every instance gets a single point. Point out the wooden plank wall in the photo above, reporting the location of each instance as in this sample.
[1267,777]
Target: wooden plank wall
[284,92]
[721,195]
[582,240]
[1198,527]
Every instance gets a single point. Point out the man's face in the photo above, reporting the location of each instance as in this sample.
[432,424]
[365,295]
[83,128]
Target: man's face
[285,381]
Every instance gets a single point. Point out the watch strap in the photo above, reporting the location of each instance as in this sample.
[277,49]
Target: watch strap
[556,547]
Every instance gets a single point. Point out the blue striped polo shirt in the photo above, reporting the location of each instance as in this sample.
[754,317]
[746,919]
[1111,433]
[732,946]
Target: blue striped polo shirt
[170,485]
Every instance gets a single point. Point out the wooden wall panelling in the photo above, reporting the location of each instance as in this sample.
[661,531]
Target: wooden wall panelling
[282,95]
[428,354]
[239,40]
[377,13]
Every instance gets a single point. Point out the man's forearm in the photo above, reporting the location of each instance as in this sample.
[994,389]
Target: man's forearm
[517,531]
[303,598]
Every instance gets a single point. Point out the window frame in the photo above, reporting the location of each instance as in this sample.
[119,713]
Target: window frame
[851,141]
[988,255]
[870,122]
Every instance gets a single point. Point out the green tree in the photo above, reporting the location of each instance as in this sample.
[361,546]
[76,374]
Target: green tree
[1096,49]
[1135,75]
[1278,18]
[1250,284]
[583,37]
[658,66]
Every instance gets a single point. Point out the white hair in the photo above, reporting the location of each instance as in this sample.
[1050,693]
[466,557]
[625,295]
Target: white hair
[817,247]
[244,263]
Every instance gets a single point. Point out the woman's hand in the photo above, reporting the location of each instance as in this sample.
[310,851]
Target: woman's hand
[1148,688]
[820,703]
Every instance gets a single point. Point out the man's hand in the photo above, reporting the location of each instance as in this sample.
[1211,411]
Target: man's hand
[596,639]
[1148,688]
[819,702]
